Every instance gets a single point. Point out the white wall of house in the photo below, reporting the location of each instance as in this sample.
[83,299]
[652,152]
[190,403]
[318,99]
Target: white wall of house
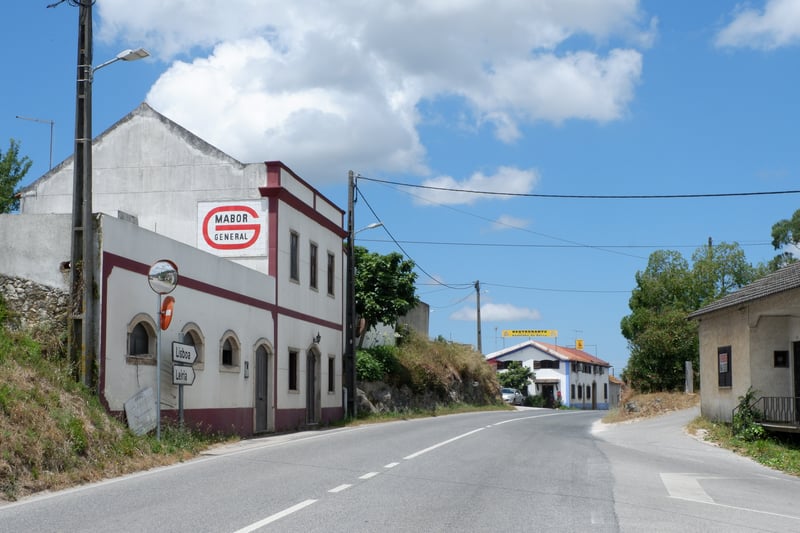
[153,169]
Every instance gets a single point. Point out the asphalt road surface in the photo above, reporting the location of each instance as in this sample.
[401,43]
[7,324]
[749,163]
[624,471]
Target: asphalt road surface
[522,470]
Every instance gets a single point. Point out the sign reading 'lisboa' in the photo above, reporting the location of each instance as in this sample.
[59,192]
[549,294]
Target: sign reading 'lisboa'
[232,229]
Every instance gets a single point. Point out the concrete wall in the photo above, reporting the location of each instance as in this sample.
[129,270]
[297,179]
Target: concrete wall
[34,248]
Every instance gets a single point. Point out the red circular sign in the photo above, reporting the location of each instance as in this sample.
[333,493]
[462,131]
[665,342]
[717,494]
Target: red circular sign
[231,227]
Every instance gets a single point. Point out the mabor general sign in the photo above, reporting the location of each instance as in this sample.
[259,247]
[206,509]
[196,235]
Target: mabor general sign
[232,229]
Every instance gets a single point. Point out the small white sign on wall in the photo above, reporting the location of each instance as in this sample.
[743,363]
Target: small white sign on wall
[232,229]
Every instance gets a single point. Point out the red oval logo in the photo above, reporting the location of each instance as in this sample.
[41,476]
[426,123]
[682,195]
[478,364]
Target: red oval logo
[231,227]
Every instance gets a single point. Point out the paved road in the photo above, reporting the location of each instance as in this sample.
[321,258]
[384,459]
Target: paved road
[523,470]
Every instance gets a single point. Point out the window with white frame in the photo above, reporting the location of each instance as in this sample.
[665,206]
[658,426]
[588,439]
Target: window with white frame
[331,273]
[312,265]
[293,370]
[294,256]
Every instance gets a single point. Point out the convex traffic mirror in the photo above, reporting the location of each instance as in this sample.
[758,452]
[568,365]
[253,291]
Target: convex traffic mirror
[163,276]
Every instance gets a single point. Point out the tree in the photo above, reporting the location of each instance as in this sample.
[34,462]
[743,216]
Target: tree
[719,270]
[12,170]
[516,376]
[384,287]
[660,338]
[785,232]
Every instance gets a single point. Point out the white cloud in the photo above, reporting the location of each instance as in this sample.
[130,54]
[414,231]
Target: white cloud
[506,222]
[776,26]
[505,180]
[332,86]
[496,313]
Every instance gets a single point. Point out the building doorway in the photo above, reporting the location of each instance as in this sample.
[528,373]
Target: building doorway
[796,371]
[262,391]
[312,387]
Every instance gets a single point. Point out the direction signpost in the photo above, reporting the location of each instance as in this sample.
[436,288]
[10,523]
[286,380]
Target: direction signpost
[183,357]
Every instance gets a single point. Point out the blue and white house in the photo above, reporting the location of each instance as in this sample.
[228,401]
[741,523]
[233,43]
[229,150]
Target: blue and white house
[576,378]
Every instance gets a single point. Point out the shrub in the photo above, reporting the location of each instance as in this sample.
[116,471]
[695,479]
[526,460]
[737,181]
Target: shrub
[745,419]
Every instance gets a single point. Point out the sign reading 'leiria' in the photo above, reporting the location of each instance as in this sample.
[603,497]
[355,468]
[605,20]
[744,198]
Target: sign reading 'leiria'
[232,228]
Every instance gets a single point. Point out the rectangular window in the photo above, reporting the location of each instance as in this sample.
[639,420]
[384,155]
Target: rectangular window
[605,391]
[331,272]
[580,391]
[294,257]
[572,393]
[331,374]
[781,358]
[312,261]
[724,363]
[292,370]
[588,392]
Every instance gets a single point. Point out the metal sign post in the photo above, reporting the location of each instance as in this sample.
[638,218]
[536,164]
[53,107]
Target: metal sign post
[163,278]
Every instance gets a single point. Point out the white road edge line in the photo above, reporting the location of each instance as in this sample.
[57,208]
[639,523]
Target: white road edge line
[340,488]
[276,516]
[426,450]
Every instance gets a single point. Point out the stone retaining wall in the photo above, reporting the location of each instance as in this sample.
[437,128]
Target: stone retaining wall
[33,305]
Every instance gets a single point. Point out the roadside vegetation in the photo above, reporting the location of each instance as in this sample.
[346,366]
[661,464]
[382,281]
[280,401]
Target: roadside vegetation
[54,433]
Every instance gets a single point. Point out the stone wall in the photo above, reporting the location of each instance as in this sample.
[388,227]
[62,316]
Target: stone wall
[32,305]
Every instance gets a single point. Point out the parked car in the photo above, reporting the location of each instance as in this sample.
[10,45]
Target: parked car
[512,396]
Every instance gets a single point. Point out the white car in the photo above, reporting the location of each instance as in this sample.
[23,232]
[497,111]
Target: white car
[512,396]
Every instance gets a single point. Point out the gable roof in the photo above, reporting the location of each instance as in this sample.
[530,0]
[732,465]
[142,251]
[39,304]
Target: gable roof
[143,110]
[559,352]
[787,278]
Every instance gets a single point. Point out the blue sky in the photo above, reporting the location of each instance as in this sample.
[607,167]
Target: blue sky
[547,97]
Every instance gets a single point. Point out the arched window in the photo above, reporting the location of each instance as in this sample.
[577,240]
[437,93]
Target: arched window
[141,340]
[193,337]
[229,353]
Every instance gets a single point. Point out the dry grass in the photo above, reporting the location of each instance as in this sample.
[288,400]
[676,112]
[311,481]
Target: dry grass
[55,434]
[651,404]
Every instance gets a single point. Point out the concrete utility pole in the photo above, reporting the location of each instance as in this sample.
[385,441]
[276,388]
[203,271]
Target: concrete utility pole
[350,311]
[81,324]
[478,292]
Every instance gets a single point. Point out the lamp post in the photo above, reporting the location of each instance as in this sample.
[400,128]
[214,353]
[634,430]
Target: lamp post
[350,312]
[82,322]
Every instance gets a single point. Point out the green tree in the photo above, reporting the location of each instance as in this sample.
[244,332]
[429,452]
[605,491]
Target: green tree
[12,170]
[719,270]
[516,376]
[384,287]
[785,232]
[660,338]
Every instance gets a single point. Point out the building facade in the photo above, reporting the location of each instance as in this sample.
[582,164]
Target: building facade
[751,339]
[261,265]
[566,375]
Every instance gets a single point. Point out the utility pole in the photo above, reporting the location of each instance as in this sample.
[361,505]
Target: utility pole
[350,311]
[43,121]
[478,292]
[81,324]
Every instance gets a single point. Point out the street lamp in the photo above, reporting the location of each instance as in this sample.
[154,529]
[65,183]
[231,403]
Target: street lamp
[82,322]
[350,314]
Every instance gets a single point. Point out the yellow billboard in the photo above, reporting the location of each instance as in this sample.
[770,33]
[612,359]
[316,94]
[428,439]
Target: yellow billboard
[530,333]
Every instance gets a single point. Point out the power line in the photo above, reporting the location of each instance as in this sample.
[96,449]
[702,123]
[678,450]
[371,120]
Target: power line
[586,196]
[523,245]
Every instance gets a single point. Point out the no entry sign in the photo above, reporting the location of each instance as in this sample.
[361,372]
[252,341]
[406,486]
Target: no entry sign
[232,228]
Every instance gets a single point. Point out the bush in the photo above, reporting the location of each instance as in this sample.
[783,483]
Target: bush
[745,419]
[368,367]
[536,400]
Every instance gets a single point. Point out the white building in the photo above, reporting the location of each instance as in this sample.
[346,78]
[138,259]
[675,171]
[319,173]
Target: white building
[261,286]
[575,377]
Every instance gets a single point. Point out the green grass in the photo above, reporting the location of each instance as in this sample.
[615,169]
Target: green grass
[778,451]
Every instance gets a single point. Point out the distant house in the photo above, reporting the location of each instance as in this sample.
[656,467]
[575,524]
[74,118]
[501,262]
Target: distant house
[577,378]
[751,338]
[260,292]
